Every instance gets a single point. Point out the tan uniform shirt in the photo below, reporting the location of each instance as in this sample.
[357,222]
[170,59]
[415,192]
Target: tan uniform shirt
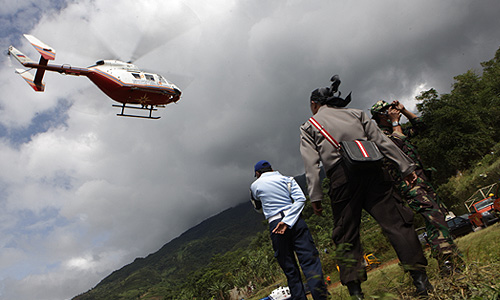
[344,124]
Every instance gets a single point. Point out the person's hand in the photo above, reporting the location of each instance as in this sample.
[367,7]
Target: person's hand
[411,179]
[280,228]
[317,208]
[398,105]
[394,114]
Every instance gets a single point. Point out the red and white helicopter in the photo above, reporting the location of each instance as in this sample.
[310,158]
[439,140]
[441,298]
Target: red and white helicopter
[121,81]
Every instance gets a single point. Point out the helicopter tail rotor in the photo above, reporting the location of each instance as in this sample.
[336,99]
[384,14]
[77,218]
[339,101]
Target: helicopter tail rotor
[35,81]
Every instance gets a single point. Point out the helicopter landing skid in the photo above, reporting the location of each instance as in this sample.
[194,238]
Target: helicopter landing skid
[150,109]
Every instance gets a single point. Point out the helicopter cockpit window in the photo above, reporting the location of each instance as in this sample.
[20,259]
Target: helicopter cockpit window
[162,80]
[149,77]
[136,76]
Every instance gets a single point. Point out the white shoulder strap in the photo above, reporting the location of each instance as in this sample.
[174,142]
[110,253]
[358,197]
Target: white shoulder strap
[325,133]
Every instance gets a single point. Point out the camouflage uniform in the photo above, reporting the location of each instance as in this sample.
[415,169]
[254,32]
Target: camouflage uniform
[422,197]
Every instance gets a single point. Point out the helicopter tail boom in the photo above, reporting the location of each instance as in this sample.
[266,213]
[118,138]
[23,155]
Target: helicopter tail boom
[19,56]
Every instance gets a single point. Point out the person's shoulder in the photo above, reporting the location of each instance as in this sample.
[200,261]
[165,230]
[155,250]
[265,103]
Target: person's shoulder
[340,110]
[357,112]
[354,109]
[255,183]
[306,125]
[275,173]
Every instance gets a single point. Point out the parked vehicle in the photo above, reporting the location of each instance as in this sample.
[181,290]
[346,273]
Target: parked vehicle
[483,213]
[370,262]
[460,226]
[484,206]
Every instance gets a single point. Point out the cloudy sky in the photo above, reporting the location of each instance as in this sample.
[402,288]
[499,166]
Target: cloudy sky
[84,192]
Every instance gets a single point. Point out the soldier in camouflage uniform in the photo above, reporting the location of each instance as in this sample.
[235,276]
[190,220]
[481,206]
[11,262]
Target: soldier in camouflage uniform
[421,197]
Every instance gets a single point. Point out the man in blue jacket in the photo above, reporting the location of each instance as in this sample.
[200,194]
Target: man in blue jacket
[281,200]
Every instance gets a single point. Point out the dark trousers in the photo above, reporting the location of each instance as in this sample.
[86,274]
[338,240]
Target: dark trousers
[298,240]
[371,190]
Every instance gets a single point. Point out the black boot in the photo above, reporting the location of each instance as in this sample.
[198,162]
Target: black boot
[421,282]
[450,264]
[446,268]
[354,288]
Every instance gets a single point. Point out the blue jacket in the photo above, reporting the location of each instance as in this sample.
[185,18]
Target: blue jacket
[278,193]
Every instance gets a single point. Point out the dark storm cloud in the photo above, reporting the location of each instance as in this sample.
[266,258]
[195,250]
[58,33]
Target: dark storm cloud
[252,66]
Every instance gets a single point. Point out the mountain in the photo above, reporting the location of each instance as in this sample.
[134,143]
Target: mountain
[231,229]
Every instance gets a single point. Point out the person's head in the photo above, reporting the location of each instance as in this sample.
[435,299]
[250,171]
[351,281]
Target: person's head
[318,98]
[327,95]
[379,110]
[261,167]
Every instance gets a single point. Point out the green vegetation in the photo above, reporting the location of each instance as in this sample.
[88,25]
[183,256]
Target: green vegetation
[165,272]
[232,251]
[479,280]
[463,125]
[459,188]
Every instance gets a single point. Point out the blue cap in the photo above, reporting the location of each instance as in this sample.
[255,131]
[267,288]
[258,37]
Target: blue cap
[261,164]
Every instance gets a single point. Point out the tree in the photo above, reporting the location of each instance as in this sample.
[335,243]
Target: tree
[462,125]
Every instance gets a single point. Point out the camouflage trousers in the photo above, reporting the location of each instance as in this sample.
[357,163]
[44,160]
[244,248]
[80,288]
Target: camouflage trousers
[422,199]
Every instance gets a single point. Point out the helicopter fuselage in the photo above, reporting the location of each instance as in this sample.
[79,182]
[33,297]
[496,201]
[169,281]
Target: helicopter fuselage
[123,82]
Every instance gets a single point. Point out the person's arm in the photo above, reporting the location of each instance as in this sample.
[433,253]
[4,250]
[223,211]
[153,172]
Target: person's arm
[298,199]
[257,204]
[386,146]
[293,214]
[408,114]
[417,125]
[312,167]
[317,208]
[394,116]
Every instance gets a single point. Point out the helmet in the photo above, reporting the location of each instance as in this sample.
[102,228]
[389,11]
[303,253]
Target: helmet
[379,107]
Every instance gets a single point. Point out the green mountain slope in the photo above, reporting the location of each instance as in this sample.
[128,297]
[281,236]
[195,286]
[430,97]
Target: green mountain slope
[231,229]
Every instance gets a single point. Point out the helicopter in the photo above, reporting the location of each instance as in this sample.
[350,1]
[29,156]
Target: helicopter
[121,81]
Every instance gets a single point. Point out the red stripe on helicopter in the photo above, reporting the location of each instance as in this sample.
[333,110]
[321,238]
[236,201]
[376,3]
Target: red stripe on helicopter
[48,54]
[116,80]
[32,84]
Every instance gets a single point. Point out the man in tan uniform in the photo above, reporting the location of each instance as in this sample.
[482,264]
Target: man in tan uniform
[351,191]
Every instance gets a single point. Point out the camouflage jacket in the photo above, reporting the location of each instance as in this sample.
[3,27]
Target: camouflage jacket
[403,140]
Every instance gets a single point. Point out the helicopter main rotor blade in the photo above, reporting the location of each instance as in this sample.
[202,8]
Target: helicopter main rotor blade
[160,30]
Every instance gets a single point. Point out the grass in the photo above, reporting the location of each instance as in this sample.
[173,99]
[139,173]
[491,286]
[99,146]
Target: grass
[479,280]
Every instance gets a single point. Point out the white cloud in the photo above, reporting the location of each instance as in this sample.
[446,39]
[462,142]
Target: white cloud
[84,186]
